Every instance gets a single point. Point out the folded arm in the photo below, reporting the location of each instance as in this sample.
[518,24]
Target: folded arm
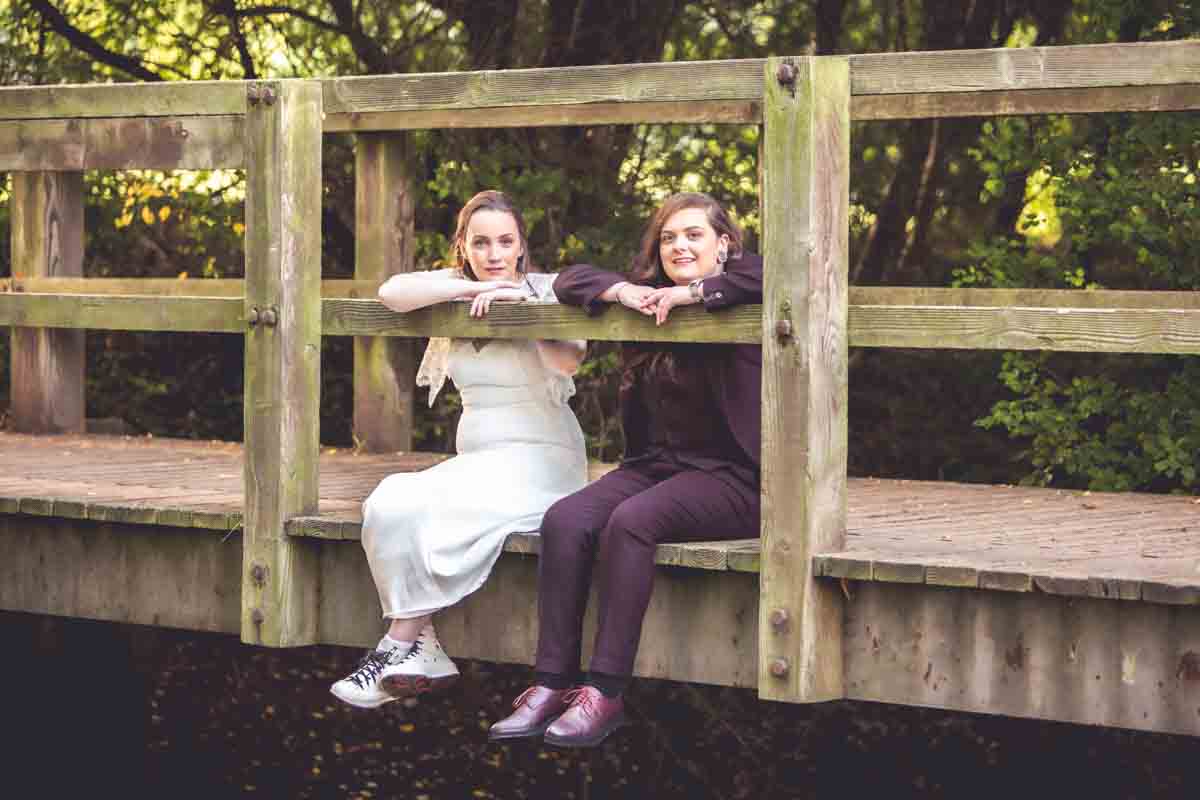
[412,290]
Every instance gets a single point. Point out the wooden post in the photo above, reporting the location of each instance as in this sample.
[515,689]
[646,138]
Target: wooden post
[384,369]
[804,431]
[283,358]
[47,241]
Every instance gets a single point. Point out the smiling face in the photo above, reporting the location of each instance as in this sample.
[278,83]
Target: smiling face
[493,245]
[688,246]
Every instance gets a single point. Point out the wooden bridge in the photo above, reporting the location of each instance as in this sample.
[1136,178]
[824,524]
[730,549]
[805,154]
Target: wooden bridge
[1032,602]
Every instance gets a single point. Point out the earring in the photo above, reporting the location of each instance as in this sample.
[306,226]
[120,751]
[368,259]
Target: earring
[722,255]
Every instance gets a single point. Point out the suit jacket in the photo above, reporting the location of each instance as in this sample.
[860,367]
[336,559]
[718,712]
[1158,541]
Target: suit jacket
[737,368]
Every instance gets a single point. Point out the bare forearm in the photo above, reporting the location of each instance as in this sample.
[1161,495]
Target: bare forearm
[412,291]
[561,356]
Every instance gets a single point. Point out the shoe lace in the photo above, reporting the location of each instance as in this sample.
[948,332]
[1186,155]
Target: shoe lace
[523,696]
[369,667]
[414,651]
[584,697]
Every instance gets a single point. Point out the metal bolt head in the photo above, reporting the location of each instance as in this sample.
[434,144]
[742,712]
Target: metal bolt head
[779,619]
[253,94]
[783,328]
[780,667]
[268,95]
[270,317]
[786,74]
[252,316]
[257,617]
[258,574]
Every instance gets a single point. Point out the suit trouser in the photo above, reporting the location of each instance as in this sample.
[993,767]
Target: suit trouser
[621,518]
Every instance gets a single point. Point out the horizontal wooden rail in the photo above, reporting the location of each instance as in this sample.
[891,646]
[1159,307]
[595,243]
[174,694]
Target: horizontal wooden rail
[123,312]
[993,319]
[545,320]
[171,287]
[1141,76]
[122,143]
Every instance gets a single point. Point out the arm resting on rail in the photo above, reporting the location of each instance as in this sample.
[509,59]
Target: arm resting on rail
[412,290]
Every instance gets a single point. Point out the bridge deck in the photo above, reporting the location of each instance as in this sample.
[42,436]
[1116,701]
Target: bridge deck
[1124,546]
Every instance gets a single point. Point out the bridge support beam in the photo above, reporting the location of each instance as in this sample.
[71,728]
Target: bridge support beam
[47,242]
[384,244]
[806,179]
[280,576]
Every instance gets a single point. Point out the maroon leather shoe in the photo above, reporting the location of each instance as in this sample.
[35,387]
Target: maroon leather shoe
[589,720]
[536,708]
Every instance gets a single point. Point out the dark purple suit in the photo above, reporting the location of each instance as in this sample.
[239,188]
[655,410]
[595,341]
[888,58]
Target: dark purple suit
[706,490]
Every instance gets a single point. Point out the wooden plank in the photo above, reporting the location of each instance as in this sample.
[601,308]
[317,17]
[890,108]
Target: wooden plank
[1022,298]
[1009,68]
[280,578]
[385,369]
[806,184]
[1030,655]
[122,143]
[142,574]
[677,82]
[700,82]
[123,313]
[167,99]
[1020,102]
[47,366]
[542,320]
[172,287]
[1175,331]
[625,113]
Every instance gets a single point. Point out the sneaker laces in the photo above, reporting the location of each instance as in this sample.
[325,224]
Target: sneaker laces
[367,670]
[414,651]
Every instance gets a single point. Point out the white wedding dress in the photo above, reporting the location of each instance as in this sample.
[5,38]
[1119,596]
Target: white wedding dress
[432,537]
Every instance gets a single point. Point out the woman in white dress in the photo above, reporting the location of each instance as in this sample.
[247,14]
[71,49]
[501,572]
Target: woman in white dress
[431,537]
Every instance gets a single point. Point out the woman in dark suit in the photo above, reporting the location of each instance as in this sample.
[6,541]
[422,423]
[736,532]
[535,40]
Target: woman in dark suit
[691,415]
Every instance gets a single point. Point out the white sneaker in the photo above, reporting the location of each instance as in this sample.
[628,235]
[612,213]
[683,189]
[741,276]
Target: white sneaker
[425,668]
[361,687]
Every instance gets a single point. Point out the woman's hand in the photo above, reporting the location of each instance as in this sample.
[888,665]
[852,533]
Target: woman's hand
[659,302]
[483,300]
[631,295]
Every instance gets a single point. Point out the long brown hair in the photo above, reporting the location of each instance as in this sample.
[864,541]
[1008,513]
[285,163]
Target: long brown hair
[661,362]
[487,200]
[647,267]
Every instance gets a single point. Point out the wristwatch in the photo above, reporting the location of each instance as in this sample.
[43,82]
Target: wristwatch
[695,287]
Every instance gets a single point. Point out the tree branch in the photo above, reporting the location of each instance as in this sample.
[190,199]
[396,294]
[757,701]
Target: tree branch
[84,43]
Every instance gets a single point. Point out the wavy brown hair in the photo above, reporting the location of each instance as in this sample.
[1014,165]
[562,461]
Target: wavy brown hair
[647,267]
[662,362]
[487,200]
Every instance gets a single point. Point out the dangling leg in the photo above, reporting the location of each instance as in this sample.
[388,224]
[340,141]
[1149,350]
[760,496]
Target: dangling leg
[689,506]
[569,536]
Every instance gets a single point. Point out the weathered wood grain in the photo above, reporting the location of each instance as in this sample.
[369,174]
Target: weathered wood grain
[167,99]
[172,287]
[540,320]
[123,312]
[122,143]
[1032,655]
[1020,102]
[384,245]
[282,396]
[1009,68]
[711,111]
[806,184]
[1061,329]
[47,366]
[1022,298]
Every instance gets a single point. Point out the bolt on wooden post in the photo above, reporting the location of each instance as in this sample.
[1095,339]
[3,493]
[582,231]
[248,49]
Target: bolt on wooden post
[47,242]
[806,169]
[280,578]
[384,368]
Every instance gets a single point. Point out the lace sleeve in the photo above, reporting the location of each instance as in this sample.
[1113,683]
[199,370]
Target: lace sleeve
[542,286]
[435,364]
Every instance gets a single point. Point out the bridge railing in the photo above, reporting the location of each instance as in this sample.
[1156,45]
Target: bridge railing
[808,321]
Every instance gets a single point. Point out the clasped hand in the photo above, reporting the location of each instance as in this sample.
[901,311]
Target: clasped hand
[654,302]
[496,290]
